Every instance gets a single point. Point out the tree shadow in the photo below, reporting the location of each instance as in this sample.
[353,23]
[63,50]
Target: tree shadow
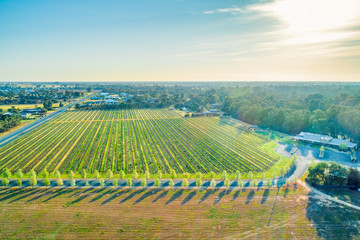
[115,195]
[250,197]
[265,196]
[11,193]
[246,186]
[99,196]
[44,193]
[219,197]
[136,192]
[163,194]
[207,194]
[176,195]
[286,191]
[28,194]
[60,192]
[235,196]
[87,193]
[332,220]
[147,194]
[189,197]
[260,185]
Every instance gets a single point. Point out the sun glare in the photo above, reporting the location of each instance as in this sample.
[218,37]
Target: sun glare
[315,21]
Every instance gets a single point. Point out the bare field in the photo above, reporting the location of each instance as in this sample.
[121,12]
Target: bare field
[100,213]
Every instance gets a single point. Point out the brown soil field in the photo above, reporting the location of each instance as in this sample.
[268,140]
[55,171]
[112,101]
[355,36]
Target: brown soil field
[106,213]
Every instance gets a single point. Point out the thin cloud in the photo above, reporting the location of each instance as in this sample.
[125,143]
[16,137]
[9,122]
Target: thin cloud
[233,10]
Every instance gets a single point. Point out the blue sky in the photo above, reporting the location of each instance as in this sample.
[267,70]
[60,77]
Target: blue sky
[179,40]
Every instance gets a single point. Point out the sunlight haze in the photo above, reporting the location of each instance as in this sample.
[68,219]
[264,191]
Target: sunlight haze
[174,40]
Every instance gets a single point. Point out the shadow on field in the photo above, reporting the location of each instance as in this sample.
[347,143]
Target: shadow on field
[115,195]
[250,196]
[163,194]
[147,194]
[265,196]
[176,195]
[136,192]
[332,220]
[207,194]
[235,196]
[58,192]
[189,197]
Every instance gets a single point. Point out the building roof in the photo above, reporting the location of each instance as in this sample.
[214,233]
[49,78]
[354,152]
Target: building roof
[324,139]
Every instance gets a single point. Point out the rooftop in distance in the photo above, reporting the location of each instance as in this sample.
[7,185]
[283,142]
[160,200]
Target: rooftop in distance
[323,139]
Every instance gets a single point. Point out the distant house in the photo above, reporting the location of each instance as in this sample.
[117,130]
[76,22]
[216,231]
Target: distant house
[183,109]
[25,115]
[253,128]
[123,94]
[323,140]
[32,111]
[111,102]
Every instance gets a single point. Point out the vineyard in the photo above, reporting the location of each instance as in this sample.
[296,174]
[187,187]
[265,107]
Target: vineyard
[135,140]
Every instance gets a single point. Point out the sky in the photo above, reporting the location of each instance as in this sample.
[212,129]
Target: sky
[180,40]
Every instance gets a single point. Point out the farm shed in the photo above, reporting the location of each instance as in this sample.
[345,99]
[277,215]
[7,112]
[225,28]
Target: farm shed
[323,140]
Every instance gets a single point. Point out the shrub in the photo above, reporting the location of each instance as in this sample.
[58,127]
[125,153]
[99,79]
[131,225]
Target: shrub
[185,183]
[46,182]
[263,176]
[5,182]
[213,183]
[83,174]
[32,173]
[57,174]
[19,182]
[237,175]
[186,175]
[198,182]
[71,174]
[343,146]
[159,174]
[250,175]
[240,183]
[143,182]
[44,173]
[227,183]
[327,173]
[115,182]
[122,174]
[73,182]
[59,182]
[282,172]
[224,175]
[171,183]
[109,174]
[269,183]
[135,175]
[7,173]
[212,175]
[157,182]
[173,174]
[353,178]
[199,175]
[287,182]
[254,183]
[96,174]
[147,174]
[19,174]
[32,181]
[102,182]
[129,182]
